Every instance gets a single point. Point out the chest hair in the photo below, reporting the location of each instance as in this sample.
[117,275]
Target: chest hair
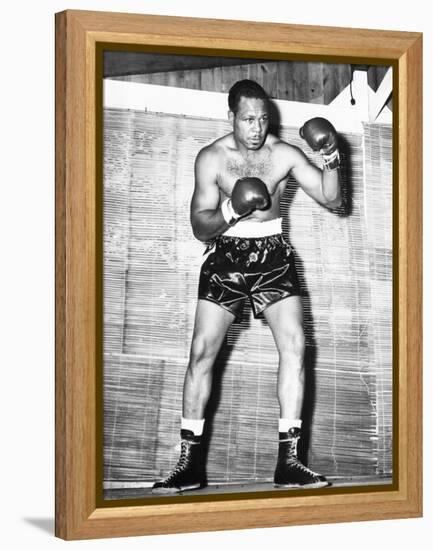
[259,167]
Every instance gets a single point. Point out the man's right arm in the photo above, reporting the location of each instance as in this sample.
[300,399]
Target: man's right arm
[206,217]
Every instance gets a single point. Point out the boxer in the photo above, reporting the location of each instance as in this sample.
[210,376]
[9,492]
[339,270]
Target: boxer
[239,181]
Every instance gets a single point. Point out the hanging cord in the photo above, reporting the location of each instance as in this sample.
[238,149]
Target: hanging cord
[352,99]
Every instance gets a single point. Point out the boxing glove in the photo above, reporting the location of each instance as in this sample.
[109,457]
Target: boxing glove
[248,194]
[321,135]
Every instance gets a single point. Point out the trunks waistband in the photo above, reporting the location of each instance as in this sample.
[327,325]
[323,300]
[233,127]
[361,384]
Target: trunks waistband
[255,230]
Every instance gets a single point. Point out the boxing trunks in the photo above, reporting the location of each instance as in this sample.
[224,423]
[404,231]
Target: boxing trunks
[251,260]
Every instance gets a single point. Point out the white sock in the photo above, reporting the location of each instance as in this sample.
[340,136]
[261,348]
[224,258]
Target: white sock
[195,426]
[284,424]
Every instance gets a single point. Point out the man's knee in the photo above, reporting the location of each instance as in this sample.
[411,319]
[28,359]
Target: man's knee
[203,352]
[292,343]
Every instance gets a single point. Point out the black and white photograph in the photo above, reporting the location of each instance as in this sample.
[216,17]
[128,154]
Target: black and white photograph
[247,275]
[216,236]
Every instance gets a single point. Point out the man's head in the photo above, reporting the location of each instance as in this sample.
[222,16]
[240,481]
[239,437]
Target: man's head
[248,89]
[249,114]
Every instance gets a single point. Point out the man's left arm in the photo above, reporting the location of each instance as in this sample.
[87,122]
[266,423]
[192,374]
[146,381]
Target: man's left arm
[323,185]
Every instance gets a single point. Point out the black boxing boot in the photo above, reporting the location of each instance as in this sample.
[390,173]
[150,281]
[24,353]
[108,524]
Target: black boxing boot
[188,472]
[290,472]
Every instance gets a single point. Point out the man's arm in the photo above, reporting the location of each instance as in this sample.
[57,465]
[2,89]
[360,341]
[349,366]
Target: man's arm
[206,217]
[322,185]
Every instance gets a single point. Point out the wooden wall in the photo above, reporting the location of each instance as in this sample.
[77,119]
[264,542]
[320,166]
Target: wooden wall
[290,80]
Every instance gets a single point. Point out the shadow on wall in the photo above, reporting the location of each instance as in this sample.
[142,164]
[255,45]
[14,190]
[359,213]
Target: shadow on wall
[220,365]
[345,153]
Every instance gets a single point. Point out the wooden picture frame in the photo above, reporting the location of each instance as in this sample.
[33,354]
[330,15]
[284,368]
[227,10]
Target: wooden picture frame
[79,511]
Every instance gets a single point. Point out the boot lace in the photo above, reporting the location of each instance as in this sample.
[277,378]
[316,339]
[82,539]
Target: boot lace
[293,460]
[182,462]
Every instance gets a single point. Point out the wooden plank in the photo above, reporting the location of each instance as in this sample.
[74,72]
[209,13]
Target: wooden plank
[218,79]
[62,441]
[411,294]
[315,88]
[207,80]
[191,80]
[172,79]
[254,73]
[293,39]
[285,81]
[300,78]
[271,79]
[229,76]
[331,82]
[243,72]
[157,78]
[75,407]
[376,74]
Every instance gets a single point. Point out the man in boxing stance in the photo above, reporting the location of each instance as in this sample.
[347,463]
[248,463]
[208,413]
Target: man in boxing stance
[239,181]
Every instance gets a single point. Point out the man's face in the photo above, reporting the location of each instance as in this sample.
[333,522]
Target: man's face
[250,123]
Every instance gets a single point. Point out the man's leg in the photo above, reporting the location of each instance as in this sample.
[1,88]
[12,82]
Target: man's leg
[211,325]
[285,320]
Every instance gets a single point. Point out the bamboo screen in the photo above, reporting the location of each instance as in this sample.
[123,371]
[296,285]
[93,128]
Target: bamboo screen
[151,267]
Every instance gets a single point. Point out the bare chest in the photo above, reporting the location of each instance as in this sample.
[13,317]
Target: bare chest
[262,166]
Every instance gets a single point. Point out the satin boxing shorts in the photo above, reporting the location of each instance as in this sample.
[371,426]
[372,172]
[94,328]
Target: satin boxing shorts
[259,269]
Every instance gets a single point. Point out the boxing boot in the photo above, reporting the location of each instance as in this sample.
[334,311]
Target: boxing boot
[290,472]
[188,473]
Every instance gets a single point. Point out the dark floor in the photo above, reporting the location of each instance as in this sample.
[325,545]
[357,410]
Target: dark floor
[128,491]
